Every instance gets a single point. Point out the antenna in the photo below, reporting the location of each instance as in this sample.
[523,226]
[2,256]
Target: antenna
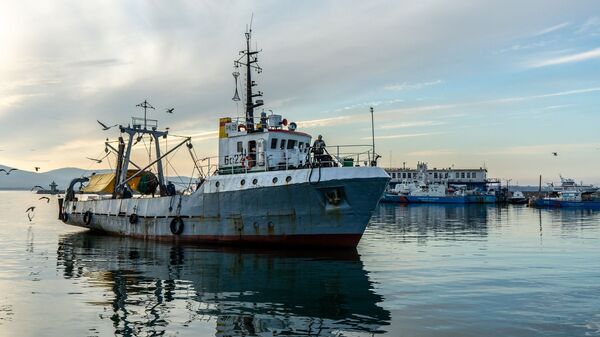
[146,106]
[248,58]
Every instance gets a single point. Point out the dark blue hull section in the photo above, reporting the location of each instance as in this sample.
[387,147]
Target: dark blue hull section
[469,199]
[566,204]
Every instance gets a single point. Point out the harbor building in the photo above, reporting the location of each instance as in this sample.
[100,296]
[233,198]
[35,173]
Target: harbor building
[472,178]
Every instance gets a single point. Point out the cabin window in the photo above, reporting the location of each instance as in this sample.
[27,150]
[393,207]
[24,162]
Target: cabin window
[301,146]
[274,143]
[240,147]
[282,145]
[462,175]
[456,174]
[291,144]
[435,175]
[306,147]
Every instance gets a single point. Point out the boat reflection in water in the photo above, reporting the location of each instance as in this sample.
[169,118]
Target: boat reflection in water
[153,287]
[430,220]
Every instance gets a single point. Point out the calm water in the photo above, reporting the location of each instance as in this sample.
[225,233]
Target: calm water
[418,271]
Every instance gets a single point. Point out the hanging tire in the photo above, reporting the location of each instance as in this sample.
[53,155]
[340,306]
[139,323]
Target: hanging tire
[87,217]
[176,226]
[133,218]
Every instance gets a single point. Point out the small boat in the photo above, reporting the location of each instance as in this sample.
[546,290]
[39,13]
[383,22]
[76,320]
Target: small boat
[268,186]
[517,198]
[570,199]
[571,195]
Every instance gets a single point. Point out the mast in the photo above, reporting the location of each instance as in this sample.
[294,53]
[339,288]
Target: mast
[249,59]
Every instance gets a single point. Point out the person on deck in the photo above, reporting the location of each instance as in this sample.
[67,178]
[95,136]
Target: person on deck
[171,189]
[319,149]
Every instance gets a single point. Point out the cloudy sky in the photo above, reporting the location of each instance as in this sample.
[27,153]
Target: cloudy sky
[464,83]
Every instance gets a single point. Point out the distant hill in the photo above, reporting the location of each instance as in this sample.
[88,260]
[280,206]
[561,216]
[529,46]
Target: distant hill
[20,180]
[27,179]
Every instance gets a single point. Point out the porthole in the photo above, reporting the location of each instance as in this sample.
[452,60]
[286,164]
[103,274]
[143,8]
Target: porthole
[288,179]
[275,180]
[243,182]
[217,184]
[254,181]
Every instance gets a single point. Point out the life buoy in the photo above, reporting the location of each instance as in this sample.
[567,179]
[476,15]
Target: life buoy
[87,217]
[247,162]
[241,127]
[133,218]
[176,226]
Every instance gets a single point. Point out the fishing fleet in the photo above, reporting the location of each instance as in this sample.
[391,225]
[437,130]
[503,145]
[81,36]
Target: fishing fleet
[268,185]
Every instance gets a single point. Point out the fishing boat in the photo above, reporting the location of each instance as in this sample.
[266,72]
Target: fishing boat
[571,195]
[268,185]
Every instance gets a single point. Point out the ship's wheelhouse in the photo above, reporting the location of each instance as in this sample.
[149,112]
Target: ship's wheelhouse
[269,147]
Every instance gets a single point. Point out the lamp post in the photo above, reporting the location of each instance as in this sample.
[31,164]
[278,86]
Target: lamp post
[374,162]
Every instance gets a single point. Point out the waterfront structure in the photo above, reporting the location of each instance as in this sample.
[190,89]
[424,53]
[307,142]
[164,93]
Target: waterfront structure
[471,178]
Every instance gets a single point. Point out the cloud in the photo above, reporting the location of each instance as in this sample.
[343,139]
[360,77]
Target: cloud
[573,58]
[405,135]
[96,63]
[431,153]
[412,124]
[327,121]
[543,149]
[406,85]
[590,26]
[551,29]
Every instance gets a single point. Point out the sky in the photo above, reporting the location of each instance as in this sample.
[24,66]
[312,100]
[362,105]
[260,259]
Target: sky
[500,84]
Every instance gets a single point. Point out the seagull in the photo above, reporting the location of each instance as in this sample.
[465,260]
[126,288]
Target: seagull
[37,186]
[104,126]
[170,111]
[30,209]
[555,154]
[37,169]
[47,199]
[9,171]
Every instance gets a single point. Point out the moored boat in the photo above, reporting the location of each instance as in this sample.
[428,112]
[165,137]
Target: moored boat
[517,198]
[570,195]
[267,186]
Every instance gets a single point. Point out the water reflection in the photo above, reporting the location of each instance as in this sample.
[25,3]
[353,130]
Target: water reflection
[426,221]
[150,286]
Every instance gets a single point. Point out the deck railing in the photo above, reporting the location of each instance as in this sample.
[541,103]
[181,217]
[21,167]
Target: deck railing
[275,160]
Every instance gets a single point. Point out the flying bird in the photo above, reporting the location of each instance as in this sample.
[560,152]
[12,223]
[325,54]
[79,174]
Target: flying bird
[170,111]
[104,126]
[37,186]
[47,199]
[30,209]
[555,154]
[9,171]
[37,169]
